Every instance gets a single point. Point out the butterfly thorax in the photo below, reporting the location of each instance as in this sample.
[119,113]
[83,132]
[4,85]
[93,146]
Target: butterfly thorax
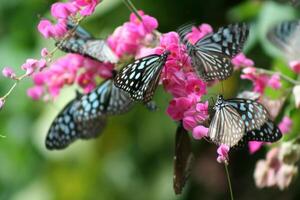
[219,103]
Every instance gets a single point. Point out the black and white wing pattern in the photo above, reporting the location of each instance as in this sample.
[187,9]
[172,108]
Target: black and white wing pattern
[268,132]
[286,37]
[227,126]
[82,42]
[211,56]
[64,129]
[253,113]
[140,78]
[182,160]
[106,99]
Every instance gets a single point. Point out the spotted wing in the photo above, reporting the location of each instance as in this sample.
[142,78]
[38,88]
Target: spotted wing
[182,159]
[83,43]
[226,127]
[211,56]
[106,99]
[140,78]
[285,36]
[253,113]
[268,132]
[64,129]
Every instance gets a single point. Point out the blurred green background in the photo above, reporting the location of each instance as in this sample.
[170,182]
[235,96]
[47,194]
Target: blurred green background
[133,159]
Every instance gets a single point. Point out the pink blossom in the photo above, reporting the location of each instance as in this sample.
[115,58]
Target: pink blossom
[285,175]
[133,35]
[198,32]
[30,66]
[295,65]
[44,52]
[63,10]
[178,106]
[223,153]
[2,101]
[274,81]
[48,30]
[35,92]
[285,125]
[195,115]
[296,93]
[260,81]
[254,146]
[199,132]
[240,60]
[88,6]
[8,72]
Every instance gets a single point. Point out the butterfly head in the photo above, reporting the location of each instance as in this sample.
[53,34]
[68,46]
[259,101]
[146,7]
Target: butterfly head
[166,54]
[219,103]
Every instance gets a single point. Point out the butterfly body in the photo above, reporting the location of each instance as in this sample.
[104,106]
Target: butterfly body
[140,78]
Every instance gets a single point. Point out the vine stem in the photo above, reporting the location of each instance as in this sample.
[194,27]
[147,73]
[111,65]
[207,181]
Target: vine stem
[269,72]
[51,53]
[133,9]
[229,181]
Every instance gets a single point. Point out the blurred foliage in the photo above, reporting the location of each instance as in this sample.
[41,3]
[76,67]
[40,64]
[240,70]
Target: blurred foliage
[133,158]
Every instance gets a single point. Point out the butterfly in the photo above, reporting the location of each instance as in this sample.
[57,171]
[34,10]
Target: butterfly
[106,99]
[82,42]
[235,118]
[182,160]
[140,78]
[211,55]
[85,116]
[285,36]
[65,129]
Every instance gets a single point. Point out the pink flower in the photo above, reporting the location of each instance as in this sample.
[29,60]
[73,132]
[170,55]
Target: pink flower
[285,175]
[48,30]
[274,81]
[285,125]
[199,132]
[195,115]
[88,6]
[35,92]
[30,66]
[8,72]
[44,52]
[178,106]
[260,81]
[2,101]
[254,146]
[223,154]
[240,60]
[296,93]
[198,32]
[295,65]
[63,10]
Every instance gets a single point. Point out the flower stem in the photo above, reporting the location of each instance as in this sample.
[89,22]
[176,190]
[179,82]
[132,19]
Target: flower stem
[269,72]
[229,181]
[133,9]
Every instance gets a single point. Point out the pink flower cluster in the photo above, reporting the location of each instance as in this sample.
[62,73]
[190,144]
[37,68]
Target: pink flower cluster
[260,80]
[63,11]
[67,70]
[132,35]
[223,151]
[241,60]
[273,171]
[187,89]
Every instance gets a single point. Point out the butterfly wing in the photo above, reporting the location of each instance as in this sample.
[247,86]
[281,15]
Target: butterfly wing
[182,159]
[253,113]
[211,56]
[140,78]
[226,127]
[64,129]
[268,132]
[285,36]
[106,99]
[84,43]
